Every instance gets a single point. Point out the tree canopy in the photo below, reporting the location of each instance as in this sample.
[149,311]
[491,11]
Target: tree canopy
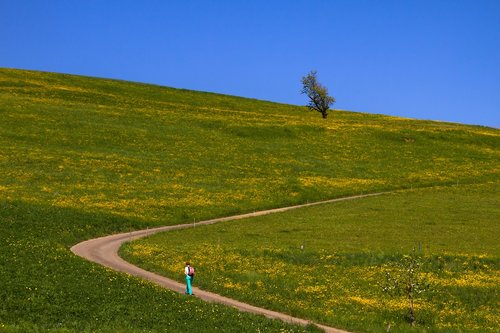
[319,99]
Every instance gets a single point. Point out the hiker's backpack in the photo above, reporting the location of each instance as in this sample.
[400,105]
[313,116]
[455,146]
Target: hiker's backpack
[191,271]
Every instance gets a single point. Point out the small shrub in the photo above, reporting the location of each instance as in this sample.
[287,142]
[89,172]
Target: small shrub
[404,278]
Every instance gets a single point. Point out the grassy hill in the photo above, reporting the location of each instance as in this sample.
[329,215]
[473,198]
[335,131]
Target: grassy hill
[328,263]
[83,157]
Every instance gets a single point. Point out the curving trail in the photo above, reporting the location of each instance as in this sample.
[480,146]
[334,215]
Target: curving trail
[104,251]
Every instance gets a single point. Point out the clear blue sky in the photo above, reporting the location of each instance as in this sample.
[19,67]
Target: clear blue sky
[437,59]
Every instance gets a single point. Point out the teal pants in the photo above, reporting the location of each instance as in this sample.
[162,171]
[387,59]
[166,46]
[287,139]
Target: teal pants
[189,290]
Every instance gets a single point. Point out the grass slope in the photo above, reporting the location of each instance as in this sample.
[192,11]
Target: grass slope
[327,262]
[83,157]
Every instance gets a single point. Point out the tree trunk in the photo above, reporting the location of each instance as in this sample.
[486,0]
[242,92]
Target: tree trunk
[412,311]
[324,114]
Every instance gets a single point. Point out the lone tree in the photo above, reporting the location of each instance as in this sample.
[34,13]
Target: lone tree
[318,94]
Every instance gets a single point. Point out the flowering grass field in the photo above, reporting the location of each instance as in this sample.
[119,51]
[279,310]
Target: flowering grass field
[84,157]
[327,262]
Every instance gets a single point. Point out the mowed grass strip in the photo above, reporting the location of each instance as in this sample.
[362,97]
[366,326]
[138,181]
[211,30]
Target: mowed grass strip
[326,263]
[84,157]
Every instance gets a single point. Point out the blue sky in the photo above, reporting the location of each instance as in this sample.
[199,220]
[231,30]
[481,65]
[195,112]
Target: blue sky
[436,59]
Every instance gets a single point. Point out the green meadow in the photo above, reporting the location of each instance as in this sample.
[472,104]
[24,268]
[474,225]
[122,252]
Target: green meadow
[327,262]
[84,157]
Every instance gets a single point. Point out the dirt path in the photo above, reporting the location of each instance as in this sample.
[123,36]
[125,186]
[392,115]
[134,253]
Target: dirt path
[104,251]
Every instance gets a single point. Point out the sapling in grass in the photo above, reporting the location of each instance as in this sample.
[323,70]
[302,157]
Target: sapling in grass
[404,278]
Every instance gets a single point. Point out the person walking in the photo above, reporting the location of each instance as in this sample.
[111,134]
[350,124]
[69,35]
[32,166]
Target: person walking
[189,272]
